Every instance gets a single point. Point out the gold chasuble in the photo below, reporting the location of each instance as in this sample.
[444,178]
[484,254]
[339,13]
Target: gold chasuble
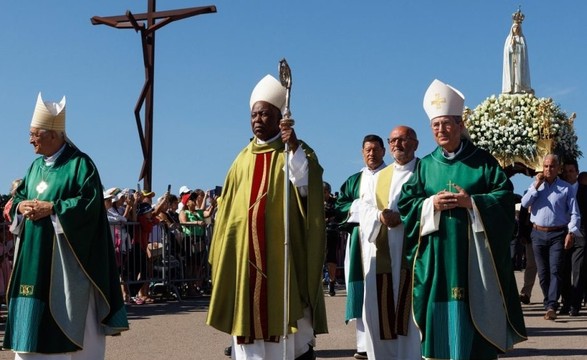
[247,249]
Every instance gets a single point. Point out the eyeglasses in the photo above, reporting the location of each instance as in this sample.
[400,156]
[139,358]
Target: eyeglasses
[394,141]
[37,135]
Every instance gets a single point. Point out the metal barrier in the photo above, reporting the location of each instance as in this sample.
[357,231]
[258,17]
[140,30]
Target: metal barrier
[171,263]
[6,254]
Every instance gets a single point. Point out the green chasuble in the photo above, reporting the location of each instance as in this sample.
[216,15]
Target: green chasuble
[465,298]
[54,274]
[349,192]
[247,249]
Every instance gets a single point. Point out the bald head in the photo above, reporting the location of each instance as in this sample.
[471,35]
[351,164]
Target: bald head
[403,142]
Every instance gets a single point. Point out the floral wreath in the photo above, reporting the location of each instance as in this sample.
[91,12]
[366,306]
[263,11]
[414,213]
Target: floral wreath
[522,128]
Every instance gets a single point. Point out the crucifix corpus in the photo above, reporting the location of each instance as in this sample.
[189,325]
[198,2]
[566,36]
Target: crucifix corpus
[146,24]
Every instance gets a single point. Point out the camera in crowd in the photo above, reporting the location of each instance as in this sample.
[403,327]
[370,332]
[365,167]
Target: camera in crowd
[216,192]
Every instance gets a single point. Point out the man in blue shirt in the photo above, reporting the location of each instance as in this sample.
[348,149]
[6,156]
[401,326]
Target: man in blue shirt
[556,220]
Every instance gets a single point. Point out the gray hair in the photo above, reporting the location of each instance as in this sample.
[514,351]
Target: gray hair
[553,156]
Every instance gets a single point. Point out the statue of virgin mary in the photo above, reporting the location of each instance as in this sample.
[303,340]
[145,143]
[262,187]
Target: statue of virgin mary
[516,71]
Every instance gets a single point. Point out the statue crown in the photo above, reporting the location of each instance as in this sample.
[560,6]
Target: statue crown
[518,17]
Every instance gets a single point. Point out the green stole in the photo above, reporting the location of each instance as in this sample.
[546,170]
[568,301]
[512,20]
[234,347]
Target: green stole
[355,285]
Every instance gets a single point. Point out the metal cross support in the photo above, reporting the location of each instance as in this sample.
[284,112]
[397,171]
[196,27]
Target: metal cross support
[146,24]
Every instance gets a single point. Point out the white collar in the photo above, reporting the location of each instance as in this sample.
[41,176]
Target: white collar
[408,166]
[374,171]
[451,155]
[259,141]
[50,160]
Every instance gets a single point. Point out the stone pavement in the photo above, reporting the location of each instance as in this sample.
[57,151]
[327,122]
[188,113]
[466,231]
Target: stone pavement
[177,330]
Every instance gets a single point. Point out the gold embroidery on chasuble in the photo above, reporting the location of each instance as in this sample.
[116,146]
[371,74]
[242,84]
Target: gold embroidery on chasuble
[458,293]
[26,290]
[257,247]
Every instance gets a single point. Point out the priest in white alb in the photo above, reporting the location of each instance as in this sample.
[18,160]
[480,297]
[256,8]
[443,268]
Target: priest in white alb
[389,325]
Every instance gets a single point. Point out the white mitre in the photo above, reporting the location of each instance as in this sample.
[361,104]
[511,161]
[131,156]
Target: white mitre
[443,100]
[49,115]
[269,89]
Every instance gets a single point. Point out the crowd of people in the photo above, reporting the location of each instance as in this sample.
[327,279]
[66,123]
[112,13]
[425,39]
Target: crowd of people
[172,233]
[428,268]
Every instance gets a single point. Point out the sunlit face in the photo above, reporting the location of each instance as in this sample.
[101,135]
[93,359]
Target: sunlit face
[402,145]
[264,120]
[373,154]
[41,141]
[550,168]
[447,132]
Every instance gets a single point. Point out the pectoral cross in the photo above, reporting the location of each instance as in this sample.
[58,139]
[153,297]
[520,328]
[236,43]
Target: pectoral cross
[147,23]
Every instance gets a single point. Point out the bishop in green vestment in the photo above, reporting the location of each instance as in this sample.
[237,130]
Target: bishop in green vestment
[458,213]
[64,255]
[247,248]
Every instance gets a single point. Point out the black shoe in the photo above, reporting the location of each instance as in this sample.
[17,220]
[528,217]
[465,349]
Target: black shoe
[228,351]
[524,299]
[574,312]
[308,355]
[331,291]
[361,355]
[564,310]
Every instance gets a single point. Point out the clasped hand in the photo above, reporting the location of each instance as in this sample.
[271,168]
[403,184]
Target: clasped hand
[446,200]
[35,209]
[390,218]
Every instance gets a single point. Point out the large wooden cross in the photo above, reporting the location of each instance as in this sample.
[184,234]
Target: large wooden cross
[146,24]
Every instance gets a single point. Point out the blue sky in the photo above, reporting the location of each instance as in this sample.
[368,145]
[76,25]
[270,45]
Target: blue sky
[358,67]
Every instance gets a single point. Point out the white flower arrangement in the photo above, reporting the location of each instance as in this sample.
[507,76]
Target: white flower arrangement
[511,126]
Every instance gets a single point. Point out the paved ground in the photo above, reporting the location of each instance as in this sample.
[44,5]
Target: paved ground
[177,330]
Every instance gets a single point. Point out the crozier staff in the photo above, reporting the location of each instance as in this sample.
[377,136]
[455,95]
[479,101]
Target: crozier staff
[247,249]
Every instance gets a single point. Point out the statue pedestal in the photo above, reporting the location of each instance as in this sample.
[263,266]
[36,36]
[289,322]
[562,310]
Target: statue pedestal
[519,165]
